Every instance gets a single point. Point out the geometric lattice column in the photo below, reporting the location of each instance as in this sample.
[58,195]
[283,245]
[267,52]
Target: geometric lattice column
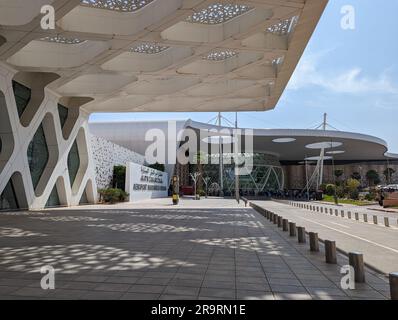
[44,139]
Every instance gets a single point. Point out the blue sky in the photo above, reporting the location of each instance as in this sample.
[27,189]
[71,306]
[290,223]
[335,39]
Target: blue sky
[350,74]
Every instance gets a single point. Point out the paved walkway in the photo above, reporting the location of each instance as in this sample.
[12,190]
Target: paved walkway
[378,243]
[164,253]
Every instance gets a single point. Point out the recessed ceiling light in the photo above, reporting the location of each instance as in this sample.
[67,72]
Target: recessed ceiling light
[62,40]
[149,48]
[324,145]
[283,27]
[220,55]
[336,152]
[284,140]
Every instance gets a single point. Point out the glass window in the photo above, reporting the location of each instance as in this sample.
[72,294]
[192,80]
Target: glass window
[37,155]
[8,199]
[63,114]
[22,96]
[73,163]
[53,199]
[84,199]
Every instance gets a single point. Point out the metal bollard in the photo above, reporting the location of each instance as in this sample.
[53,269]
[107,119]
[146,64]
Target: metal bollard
[317,209]
[330,252]
[365,217]
[292,229]
[356,261]
[321,209]
[285,225]
[326,210]
[375,220]
[342,213]
[301,234]
[349,214]
[356,216]
[280,221]
[393,277]
[271,216]
[386,222]
[275,218]
[314,242]
[336,212]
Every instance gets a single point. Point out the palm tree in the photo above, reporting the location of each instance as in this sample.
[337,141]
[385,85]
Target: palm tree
[373,178]
[388,174]
[199,159]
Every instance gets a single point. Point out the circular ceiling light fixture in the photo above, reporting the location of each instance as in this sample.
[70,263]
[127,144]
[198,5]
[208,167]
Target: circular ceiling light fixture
[216,139]
[324,145]
[336,152]
[284,140]
[317,158]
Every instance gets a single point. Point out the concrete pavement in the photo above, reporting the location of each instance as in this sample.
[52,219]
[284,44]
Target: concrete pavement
[379,244]
[201,252]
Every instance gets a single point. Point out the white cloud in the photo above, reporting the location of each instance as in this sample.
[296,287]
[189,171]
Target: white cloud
[351,81]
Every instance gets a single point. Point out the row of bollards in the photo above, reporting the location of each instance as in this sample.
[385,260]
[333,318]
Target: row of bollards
[342,213]
[356,260]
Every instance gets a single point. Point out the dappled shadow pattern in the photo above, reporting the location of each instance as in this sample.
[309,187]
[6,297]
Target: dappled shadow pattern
[169,216]
[23,213]
[146,227]
[18,233]
[249,223]
[258,244]
[69,219]
[79,257]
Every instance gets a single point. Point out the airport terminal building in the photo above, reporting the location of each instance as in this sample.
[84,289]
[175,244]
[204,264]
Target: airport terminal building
[282,159]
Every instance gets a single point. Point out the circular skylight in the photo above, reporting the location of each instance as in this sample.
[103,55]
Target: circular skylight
[318,158]
[324,145]
[336,152]
[284,140]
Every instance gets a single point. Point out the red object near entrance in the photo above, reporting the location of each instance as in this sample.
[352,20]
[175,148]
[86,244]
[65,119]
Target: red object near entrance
[187,190]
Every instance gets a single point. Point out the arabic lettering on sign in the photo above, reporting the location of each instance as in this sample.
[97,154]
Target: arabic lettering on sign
[151,176]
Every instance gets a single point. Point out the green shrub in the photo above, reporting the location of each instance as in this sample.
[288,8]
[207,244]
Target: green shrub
[119,177]
[113,195]
[340,191]
[352,186]
[371,196]
[354,194]
[329,190]
[201,193]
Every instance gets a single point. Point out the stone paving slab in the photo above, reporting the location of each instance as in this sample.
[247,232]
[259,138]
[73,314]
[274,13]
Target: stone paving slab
[164,253]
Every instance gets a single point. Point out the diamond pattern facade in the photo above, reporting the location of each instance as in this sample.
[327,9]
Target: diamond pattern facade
[117,5]
[218,13]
